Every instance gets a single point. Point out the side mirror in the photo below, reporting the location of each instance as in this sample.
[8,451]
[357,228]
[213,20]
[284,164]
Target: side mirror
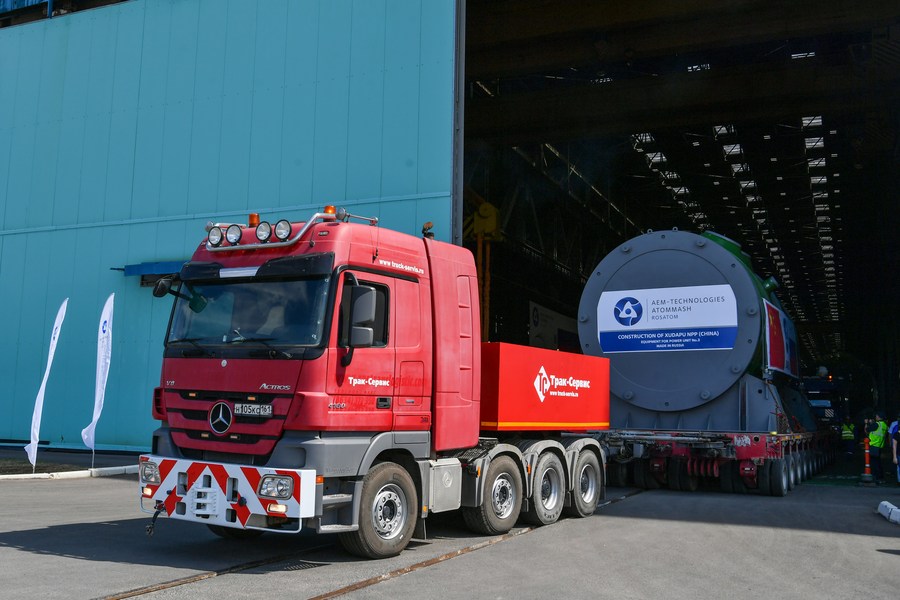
[163,286]
[362,316]
[362,319]
[195,301]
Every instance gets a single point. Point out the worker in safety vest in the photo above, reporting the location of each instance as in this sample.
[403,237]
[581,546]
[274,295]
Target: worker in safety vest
[893,437]
[848,435]
[877,430]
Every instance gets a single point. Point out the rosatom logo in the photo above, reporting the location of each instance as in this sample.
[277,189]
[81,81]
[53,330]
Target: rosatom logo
[628,311]
[542,384]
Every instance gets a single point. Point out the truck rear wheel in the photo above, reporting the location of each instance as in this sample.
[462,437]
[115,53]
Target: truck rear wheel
[548,493]
[502,499]
[388,511]
[588,485]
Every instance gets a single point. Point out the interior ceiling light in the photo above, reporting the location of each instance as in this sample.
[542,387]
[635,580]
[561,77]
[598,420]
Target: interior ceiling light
[812,121]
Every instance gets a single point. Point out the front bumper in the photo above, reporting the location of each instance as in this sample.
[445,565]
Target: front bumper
[227,495]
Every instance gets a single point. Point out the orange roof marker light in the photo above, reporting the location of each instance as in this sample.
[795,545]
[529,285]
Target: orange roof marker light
[330,210]
[253,220]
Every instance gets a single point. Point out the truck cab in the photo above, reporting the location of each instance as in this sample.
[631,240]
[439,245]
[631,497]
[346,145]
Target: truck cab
[311,369]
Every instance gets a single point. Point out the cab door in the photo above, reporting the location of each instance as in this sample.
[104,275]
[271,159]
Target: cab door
[361,383]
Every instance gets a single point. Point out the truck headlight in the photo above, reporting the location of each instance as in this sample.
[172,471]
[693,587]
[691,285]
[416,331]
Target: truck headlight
[276,486]
[149,472]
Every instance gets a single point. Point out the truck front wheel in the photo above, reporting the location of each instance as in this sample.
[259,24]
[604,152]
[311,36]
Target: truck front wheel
[388,512]
[502,499]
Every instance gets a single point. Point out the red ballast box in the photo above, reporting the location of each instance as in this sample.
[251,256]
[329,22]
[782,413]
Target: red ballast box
[529,389]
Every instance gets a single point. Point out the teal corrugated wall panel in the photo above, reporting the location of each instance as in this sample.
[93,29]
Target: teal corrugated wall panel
[124,129]
[120,165]
[203,186]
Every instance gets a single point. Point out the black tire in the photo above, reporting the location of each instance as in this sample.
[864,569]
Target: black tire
[643,476]
[737,482]
[231,533]
[388,510]
[502,501]
[687,482]
[637,474]
[617,473]
[804,465]
[726,480]
[588,485]
[548,493]
[763,476]
[779,478]
[791,462]
[673,474]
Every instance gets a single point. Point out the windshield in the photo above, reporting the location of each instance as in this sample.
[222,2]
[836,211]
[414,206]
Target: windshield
[268,313]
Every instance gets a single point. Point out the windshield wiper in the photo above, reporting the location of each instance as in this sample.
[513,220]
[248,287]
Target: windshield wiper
[272,352]
[193,342]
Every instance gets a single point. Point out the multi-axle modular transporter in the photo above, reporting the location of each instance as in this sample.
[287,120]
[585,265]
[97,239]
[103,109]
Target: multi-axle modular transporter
[704,369]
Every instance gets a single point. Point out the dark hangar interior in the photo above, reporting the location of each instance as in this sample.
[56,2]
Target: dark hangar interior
[776,125]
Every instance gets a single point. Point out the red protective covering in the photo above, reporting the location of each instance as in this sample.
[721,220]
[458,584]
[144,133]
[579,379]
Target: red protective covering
[525,388]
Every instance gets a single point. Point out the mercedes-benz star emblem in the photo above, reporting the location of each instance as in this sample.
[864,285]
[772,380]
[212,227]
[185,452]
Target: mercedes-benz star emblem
[220,418]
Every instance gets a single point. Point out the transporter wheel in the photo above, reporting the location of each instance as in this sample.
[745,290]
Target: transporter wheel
[687,482]
[779,478]
[643,476]
[502,499]
[763,477]
[673,474]
[737,482]
[726,482]
[548,491]
[791,460]
[804,465]
[388,510]
[232,533]
[588,487]
[617,473]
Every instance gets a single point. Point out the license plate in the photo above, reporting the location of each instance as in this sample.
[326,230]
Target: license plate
[253,410]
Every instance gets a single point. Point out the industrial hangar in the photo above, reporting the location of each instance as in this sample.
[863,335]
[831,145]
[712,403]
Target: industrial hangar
[776,125]
[547,133]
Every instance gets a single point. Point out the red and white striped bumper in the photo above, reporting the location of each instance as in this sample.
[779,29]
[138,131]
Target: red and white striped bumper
[225,494]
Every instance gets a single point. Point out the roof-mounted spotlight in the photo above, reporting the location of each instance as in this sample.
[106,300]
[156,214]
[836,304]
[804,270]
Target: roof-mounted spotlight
[264,231]
[283,229]
[215,236]
[233,234]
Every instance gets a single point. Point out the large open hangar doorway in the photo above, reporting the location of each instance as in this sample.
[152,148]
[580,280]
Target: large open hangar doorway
[587,123]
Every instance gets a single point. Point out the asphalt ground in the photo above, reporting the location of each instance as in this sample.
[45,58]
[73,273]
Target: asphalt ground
[85,538]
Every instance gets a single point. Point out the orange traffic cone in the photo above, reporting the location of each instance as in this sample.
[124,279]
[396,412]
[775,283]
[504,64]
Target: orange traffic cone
[866,477]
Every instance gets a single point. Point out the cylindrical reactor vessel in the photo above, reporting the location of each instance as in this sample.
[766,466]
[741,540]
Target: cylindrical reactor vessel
[696,340]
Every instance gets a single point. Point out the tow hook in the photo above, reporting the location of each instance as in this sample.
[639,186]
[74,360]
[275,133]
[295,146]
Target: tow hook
[152,525]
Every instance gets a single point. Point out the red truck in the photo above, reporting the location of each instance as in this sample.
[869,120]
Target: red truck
[330,375]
